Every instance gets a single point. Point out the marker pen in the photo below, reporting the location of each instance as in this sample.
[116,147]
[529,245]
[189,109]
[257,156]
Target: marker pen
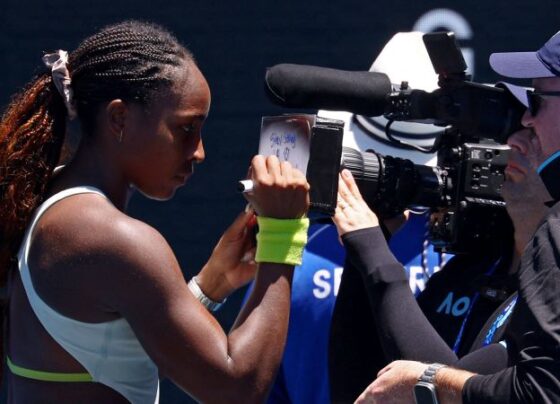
[245,186]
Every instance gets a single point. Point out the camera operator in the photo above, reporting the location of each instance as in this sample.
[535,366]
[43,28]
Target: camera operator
[532,373]
[464,297]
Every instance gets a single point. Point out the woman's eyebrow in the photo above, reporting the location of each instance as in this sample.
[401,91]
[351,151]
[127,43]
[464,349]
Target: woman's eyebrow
[191,117]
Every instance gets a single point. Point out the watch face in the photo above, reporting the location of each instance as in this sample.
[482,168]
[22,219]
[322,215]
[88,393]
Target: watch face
[425,393]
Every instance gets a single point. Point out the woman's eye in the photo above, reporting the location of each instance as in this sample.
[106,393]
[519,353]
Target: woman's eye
[188,129]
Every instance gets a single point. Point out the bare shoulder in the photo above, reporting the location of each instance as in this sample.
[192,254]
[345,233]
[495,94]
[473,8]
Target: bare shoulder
[90,251]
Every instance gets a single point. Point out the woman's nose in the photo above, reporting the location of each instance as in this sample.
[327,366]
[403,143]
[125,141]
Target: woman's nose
[199,154]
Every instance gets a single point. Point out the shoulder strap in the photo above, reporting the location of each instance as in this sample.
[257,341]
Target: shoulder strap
[24,250]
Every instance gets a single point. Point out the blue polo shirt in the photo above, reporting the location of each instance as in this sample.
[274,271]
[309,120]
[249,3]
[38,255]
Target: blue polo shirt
[303,376]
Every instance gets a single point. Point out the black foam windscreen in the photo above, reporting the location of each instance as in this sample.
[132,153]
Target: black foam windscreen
[303,86]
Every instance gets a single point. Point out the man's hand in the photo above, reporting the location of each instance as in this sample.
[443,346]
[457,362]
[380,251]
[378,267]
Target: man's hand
[394,384]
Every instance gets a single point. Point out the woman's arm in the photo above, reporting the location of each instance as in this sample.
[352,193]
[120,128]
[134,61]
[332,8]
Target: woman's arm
[146,287]
[404,331]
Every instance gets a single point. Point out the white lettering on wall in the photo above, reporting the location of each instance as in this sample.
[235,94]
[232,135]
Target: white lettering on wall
[326,283]
[321,279]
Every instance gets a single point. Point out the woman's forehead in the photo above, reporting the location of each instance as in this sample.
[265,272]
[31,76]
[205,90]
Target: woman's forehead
[189,96]
[192,89]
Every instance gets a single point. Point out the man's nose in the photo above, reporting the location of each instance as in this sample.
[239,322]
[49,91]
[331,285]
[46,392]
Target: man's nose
[527,119]
[519,141]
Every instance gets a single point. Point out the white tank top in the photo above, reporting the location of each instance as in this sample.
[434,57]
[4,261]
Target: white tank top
[109,351]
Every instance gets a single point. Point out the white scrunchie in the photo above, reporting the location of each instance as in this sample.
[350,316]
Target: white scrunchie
[58,62]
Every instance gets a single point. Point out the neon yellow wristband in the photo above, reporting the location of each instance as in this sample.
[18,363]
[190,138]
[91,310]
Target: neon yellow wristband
[281,240]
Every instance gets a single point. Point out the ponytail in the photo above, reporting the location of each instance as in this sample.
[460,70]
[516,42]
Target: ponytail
[31,137]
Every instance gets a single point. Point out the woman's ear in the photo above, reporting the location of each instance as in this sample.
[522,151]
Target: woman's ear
[116,111]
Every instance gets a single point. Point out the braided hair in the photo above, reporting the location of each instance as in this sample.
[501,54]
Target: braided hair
[133,61]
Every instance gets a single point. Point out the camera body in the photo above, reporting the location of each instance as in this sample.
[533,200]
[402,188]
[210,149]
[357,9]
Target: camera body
[463,190]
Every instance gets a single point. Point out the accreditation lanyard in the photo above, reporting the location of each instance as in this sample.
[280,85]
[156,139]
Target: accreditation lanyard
[473,302]
[500,320]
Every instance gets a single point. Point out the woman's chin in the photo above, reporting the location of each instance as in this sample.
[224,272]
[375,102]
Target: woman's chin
[161,194]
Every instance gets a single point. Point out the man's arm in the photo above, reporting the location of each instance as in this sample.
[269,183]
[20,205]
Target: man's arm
[395,384]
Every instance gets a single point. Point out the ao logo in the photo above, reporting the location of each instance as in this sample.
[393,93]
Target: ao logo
[449,20]
[456,308]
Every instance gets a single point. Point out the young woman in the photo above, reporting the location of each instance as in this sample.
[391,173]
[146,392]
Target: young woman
[98,306]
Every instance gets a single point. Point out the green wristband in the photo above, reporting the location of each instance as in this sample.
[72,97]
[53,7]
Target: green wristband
[281,240]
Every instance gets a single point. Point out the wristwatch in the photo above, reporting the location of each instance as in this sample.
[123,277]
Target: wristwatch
[425,388]
[210,304]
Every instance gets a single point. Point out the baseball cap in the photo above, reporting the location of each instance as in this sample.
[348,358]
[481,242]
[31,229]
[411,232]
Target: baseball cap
[530,65]
[519,92]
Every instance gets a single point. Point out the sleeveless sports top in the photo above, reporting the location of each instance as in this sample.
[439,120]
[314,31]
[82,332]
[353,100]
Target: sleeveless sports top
[109,351]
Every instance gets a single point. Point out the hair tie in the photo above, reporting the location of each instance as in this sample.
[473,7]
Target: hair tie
[58,62]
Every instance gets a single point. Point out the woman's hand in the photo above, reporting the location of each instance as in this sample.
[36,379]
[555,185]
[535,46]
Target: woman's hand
[352,212]
[279,191]
[231,264]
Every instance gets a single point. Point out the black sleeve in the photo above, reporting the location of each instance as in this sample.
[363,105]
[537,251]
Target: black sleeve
[486,360]
[365,337]
[533,335]
[403,330]
[533,378]
[355,353]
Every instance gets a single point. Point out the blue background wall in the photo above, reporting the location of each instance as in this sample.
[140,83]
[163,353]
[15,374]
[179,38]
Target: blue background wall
[234,42]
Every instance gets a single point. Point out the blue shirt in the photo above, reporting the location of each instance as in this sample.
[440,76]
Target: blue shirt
[303,376]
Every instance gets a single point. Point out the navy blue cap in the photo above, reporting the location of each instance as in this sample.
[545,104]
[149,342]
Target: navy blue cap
[530,65]
[520,93]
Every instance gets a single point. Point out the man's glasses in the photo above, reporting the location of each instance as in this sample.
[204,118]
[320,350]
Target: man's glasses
[535,99]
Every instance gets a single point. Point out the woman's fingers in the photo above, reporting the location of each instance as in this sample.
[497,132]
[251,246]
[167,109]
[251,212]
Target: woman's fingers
[348,190]
[351,184]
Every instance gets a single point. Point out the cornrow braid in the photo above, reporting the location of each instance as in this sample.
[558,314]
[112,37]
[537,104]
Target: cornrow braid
[132,61]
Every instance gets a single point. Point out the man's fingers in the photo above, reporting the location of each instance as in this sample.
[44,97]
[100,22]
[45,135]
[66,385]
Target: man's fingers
[361,399]
[385,369]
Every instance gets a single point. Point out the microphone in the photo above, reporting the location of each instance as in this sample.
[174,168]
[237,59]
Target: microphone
[302,86]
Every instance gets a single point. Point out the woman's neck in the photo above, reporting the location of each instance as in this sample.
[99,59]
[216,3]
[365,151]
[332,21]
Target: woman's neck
[90,166]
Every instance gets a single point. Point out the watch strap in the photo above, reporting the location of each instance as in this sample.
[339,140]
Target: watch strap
[210,304]
[429,374]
